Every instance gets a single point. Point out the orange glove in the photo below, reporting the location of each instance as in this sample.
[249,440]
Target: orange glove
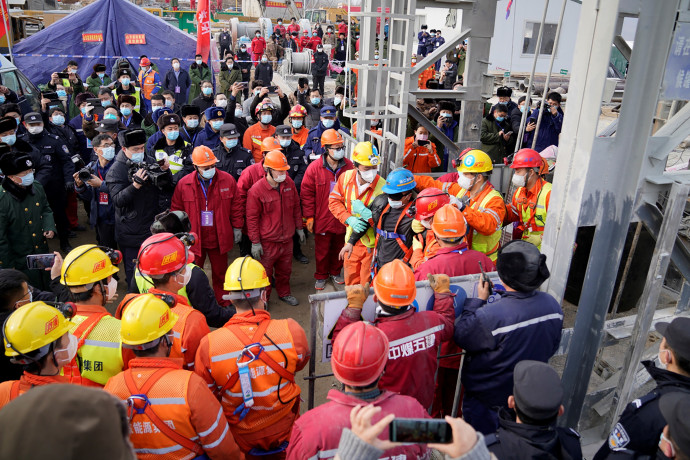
[357,295]
[310,224]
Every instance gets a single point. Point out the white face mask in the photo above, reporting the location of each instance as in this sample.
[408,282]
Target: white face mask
[186,277]
[222,103]
[338,154]
[112,288]
[395,204]
[280,178]
[35,129]
[426,224]
[64,356]
[464,182]
[368,176]
[519,181]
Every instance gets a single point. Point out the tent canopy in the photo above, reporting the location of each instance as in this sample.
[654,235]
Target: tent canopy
[100,33]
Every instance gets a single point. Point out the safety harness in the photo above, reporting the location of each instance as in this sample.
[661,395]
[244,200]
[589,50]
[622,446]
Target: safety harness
[72,370]
[139,403]
[398,237]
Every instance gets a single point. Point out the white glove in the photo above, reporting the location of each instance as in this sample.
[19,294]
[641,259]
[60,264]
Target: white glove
[237,232]
[257,251]
[302,236]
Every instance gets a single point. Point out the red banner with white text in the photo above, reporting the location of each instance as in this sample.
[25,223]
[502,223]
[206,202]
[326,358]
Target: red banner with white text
[203,29]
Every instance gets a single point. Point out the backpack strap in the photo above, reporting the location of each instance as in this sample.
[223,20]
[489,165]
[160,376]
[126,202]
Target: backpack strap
[149,412]
[82,331]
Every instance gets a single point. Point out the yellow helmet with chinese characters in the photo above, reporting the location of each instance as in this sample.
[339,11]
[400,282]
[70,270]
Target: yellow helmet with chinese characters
[474,161]
[244,278]
[32,327]
[88,264]
[145,318]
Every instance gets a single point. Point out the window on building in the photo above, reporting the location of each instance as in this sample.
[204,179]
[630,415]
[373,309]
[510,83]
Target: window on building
[529,41]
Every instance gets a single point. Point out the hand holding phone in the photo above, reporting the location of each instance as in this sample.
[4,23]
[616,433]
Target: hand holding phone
[40,261]
[420,431]
[485,280]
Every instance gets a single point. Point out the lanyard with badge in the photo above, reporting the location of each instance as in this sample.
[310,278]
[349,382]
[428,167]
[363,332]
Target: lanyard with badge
[206,215]
[103,198]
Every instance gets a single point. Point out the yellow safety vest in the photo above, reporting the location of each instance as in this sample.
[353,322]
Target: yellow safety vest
[369,238]
[175,159]
[143,283]
[534,223]
[487,244]
[137,96]
[101,353]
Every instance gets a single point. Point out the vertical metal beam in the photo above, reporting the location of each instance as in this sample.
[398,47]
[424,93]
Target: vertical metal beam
[650,296]
[615,204]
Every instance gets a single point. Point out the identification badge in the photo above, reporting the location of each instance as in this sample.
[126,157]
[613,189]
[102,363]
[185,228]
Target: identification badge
[88,143]
[207,218]
[177,89]
[103,198]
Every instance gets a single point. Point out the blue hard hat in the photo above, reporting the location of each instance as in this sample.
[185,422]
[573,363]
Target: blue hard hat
[399,180]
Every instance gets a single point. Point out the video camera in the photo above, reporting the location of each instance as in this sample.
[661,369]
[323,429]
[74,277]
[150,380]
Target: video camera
[156,176]
[83,172]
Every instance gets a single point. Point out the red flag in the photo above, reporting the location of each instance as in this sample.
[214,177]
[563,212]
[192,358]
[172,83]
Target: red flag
[4,24]
[203,29]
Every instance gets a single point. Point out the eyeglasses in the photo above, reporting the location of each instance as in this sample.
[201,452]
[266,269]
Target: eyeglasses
[22,300]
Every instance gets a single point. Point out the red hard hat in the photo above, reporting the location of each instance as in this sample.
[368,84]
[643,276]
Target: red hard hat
[429,201]
[526,158]
[163,253]
[360,353]
[456,163]
[144,62]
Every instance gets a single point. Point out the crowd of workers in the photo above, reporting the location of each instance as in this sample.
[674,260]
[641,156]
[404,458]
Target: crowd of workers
[176,170]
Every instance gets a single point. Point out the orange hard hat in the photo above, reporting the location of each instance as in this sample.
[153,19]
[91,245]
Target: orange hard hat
[270,143]
[276,160]
[203,156]
[330,137]
[449,223]
[163,253]
[394,284]
[360,353]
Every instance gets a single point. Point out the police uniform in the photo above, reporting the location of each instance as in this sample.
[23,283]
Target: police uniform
[296,158]
[641,423]
[234,160]
[538,394]
[55,153]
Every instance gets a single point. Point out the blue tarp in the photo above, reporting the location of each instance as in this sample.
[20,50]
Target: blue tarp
[113,19]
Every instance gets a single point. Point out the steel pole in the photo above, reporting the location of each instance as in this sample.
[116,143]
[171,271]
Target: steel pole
[528,97]
[548,75]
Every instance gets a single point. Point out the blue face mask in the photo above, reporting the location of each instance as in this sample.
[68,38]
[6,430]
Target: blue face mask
[447,115]
[101,75]
[138,157]
[209,173]
[83,110]
[9,140]
[126,111]
[110,116]
[238,113]
[337,101]
[28,179]
[168,103]
[285,142]
[58,120]
[61,93]
[522,108]
[125,81]
[172,135]
[328,123]
[216,124]
[207,91]
[315,100]
[500,119]
[108,153]
[231,143]
[105,103]
[2,99]
[297,124]
[266,119]
[191,124]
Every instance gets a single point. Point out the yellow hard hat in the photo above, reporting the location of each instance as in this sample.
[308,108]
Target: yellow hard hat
[474,161]
[33,326]
[366,154]
[89,264]
[244,276]
[146,318]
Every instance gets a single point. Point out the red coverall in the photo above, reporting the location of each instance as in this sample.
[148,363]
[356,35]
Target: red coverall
[279,28]
[303,42]
[258,48]
[451,263]
[217,240]
[273,215]
[329,234]
[293,28]
[414,338]
[248,178]
[314,41]
[312,438]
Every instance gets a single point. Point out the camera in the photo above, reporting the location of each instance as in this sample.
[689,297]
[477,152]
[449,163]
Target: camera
[83,172]
[156,176]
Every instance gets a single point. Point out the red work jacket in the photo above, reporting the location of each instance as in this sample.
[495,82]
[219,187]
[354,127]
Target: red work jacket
[273,215]
[258,45]
[455,261]
[317,184]
[223,201]
[312,438]
[414,338]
